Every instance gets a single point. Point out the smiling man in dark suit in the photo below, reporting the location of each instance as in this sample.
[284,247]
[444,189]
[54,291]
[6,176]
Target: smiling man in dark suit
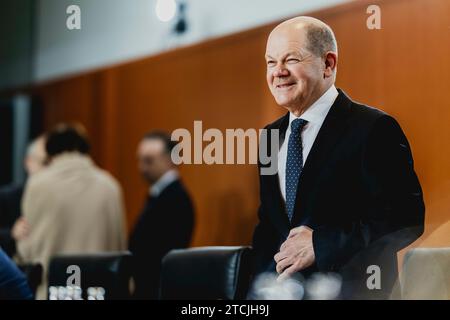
[346,196]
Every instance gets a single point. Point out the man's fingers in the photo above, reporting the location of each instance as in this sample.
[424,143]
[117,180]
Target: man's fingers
[294,252]
[283,264]
[281,256]
[287,244]
[287,272]
[286,260]
[285,250]
[283,246]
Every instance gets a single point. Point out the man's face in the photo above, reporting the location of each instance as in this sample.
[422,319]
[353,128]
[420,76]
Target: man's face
[294,75]
[153,160]
[36,159]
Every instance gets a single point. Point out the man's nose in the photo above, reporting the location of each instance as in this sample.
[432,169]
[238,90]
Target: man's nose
[281,71]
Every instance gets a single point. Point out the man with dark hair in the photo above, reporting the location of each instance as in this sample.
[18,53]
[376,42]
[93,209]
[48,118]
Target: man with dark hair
[167,220]
[346,197]
[65,138]
[72,206]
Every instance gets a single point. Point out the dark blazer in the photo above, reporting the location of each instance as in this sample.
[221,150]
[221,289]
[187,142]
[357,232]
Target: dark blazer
[359,193]
[165,223]
[10,211]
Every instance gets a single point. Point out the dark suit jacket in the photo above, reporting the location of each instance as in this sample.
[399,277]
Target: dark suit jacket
[10,211]
[165,223]
[359,193]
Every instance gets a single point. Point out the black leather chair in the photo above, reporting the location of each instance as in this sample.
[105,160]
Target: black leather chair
[206,273]
[33,273]
[109,270]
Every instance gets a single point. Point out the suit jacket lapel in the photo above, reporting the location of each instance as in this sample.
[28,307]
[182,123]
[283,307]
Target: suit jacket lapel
[283,128]
[329,134]
[279,217]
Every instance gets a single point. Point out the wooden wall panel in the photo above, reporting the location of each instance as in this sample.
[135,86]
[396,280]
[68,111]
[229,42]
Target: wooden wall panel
[402,68]
[219,84]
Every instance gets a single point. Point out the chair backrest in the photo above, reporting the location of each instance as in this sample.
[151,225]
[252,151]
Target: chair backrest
[33,273]
[426,274]
[108,270]
[206,273]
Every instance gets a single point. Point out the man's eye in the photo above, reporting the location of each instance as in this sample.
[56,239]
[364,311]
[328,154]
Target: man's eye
[270,63]
[293,60]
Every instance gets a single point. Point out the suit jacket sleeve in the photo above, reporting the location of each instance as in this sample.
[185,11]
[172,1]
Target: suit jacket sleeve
[396,210]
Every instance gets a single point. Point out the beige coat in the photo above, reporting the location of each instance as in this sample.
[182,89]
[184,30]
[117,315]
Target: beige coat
[72,207]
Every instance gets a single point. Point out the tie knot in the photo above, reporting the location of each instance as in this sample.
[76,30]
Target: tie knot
[297,125]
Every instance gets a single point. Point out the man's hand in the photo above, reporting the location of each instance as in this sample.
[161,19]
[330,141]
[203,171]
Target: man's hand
[21,229]
[296,253]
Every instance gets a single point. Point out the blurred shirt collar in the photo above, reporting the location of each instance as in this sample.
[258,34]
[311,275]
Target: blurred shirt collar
[162,183]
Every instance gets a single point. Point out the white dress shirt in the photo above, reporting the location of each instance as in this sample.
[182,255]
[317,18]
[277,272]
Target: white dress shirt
[166,179]
[315,115]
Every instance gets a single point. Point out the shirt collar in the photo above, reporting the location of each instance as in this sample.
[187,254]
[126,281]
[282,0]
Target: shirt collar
[166,179]
[317,112]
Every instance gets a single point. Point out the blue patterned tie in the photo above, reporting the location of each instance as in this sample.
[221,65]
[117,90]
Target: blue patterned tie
[294,164]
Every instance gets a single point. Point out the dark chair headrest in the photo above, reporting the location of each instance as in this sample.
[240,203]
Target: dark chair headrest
[109,270]
[206,273]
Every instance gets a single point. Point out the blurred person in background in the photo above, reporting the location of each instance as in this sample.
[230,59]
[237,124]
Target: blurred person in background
[13,227]
[72,206]
[167,219]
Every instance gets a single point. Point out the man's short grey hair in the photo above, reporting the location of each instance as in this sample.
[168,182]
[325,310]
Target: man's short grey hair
[321,39]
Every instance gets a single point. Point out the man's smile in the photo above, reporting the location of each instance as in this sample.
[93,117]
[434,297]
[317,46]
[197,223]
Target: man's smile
[285,85]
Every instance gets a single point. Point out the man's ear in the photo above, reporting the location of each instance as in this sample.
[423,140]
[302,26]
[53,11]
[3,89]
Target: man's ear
[330,64]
